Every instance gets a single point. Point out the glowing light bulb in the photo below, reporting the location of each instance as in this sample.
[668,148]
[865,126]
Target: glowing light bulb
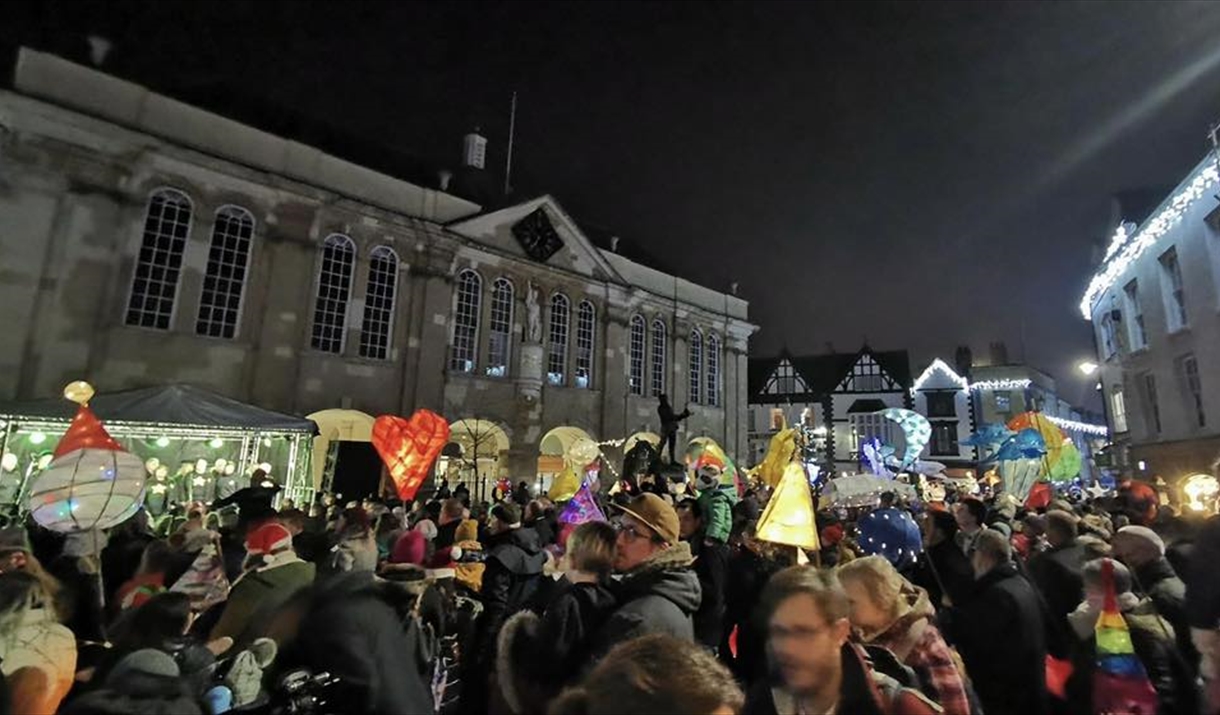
[163,442]
[216,443]
[38,438]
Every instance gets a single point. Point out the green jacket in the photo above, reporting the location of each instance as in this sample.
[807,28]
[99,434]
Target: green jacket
[256,596]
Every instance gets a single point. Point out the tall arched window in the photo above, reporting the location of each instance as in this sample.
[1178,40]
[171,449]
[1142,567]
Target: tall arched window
[586,319]
[225,279]
[635,376]
[379,304]
[334,290]
[659,351]
[557,355]
[466,322]
[696,364]
[154,287]
[501,327]
[713,370]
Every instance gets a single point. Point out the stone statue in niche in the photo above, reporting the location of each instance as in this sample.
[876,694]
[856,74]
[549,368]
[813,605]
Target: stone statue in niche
[533,314]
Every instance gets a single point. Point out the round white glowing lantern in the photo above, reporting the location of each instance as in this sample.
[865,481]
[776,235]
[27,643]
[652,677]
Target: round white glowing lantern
[91,483]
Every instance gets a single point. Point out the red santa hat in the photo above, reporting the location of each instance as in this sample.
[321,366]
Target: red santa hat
[443,563]
[269,538]
[86,432]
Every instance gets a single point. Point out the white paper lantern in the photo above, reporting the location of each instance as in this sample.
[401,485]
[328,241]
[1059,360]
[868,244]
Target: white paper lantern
[88,489]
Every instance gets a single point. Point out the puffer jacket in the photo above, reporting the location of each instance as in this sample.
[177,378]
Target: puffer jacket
[1160,583]
[918,644]
[659,596]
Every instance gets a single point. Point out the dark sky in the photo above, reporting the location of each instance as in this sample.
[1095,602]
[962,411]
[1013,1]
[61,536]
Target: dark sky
[919,174]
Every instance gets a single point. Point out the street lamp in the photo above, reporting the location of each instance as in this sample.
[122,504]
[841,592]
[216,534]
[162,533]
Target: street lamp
[1087,367]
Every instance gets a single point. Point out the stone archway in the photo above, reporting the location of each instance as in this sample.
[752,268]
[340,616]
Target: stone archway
[476,455]
[336,425]
[552,450]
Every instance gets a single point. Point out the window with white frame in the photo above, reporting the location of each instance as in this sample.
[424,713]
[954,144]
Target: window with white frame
[635,377]
[713,370]
[660,351]
[154,286]
[695,368]
[944,439]
[557,357]
[1189,370]
[785,380]
[334,291]
[866,426]
[1118,409]
[1135,316]
[379,303]
[1152,408]
[1171,290]
[500,328]
[225,278]
[467,303]
[586,320]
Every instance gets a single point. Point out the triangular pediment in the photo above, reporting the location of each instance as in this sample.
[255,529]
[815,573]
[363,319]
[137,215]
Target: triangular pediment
[867,375]
[785,380]
[537,230]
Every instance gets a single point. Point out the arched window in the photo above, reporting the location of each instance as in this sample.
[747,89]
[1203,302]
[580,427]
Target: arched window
[501,327]
[466,322]
[557,357]
[225,279]
[658,357]
[334,290]
[154,287]
[713,370]
[586,319]
[696,364]
[379,304]
[636,367]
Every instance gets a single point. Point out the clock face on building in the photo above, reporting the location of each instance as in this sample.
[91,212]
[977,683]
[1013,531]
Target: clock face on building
[537,236]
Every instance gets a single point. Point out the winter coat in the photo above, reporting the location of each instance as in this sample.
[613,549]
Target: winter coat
[748,573]
[121,558]
[258,594]
[1059,575]
[351,630]
[918,644]
[1155,645]
[864,691]
[945,571]
[659,596]
[537,656]
[137,694]
[711,566]
[542,526]
[138,590]
[445,534]
[1001,635]
[1160,583]
[469,571]
[513,569]
[41,644]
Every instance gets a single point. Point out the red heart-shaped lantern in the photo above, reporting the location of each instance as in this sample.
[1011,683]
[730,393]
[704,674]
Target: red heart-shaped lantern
[409,447]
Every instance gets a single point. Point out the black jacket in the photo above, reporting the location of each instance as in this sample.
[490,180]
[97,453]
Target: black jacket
[1160,583]
[748,573]
[1203,578]
[352,631]
[1059,574]
[660,596]
[513,571]
[945,570]
[542,527]
[711,566]
[446,534]
[1001,636]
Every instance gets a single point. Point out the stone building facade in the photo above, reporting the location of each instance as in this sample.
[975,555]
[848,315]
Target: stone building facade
[144,241]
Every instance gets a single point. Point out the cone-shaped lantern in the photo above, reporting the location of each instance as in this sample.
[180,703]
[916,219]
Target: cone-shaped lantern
[788,518]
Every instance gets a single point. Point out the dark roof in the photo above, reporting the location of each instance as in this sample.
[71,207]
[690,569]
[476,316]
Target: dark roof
[633,251]
[866,406]
[181,405]
[1136,205]
[823,373]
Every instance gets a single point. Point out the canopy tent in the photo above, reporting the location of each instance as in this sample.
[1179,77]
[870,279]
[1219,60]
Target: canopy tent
[179,405]
[197,444]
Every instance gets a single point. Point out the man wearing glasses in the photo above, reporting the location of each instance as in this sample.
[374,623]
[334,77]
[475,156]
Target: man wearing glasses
[659,591]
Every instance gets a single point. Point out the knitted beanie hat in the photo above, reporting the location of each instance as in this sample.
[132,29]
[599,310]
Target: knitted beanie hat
[468,530]
[410,548]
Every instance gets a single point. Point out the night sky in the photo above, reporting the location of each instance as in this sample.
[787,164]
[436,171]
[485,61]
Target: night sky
[921,175]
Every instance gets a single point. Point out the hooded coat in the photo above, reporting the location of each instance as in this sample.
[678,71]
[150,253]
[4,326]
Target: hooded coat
[513,569]
[260,593]
[1001,635]
[660,595]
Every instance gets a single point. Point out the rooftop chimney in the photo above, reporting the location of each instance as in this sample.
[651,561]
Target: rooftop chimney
[443,177]
[474,149]
[614,244]
[964,360]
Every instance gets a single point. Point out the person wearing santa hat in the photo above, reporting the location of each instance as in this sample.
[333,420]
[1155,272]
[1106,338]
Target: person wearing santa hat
[272,574]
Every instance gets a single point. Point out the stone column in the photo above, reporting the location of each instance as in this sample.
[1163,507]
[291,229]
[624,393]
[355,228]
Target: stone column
[613,337]
[736,387]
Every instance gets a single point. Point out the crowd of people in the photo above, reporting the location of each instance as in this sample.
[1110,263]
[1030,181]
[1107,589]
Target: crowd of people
[449,605]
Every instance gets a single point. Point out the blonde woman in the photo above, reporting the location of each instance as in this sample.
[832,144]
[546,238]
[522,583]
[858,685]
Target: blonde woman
[888,611]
